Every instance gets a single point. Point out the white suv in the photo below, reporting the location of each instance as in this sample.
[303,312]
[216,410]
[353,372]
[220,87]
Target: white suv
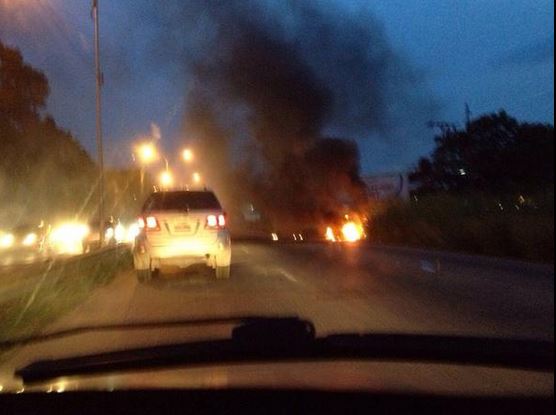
[181,228]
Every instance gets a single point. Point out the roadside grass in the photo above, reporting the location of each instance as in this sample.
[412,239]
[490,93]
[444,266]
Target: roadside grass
[58,290]
[472,225]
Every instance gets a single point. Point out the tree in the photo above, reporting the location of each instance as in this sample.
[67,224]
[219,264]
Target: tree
[23,89]
[495,154]
[44,171]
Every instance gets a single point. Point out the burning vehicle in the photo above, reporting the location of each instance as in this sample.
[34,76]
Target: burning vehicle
[349,227]
[279,124]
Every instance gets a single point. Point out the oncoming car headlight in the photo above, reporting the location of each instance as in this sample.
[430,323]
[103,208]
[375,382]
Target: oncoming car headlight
[68,238]
[120,233]
[30,240]
[116,233]
[109,234]
[133,232]
[7,241]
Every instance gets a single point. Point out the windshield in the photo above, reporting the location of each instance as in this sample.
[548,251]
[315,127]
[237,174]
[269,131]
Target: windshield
[182,201]
[366,166]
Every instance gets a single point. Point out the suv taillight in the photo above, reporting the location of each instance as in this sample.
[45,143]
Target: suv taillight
[216,221]
[150,223]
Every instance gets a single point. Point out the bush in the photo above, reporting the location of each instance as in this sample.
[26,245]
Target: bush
[476,224]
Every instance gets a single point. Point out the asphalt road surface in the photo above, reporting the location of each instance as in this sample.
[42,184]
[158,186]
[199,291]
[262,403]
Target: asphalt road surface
[19,257]
[339,288]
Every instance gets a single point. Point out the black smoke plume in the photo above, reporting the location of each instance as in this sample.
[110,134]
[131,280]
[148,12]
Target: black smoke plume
[268,82]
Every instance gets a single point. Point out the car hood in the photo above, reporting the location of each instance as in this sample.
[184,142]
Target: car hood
[391,377]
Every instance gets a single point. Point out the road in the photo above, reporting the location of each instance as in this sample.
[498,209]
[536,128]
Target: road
[339,288]
[16,258]
[345,288]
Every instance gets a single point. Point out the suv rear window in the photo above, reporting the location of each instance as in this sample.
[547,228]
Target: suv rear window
[182,201]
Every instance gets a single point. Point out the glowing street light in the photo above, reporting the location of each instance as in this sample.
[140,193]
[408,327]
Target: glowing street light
[196,178]
[187,155]
[146,153]
[166,179]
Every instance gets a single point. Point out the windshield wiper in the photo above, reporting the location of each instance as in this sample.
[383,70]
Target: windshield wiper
[131,326]
[281,340]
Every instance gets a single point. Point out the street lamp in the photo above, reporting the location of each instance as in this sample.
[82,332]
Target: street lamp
[166,179]
[146,154]
[187,155]
[196,178]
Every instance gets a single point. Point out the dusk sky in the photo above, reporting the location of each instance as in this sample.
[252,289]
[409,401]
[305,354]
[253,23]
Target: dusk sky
[491,54]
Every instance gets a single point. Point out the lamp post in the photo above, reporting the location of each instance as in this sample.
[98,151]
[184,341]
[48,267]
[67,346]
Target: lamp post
[146,154]
[99,140]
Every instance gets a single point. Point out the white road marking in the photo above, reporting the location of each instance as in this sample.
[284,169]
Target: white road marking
[288,276]
[430,267]
[245,250]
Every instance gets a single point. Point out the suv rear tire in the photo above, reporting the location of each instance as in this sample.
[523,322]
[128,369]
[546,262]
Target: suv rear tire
[223,273]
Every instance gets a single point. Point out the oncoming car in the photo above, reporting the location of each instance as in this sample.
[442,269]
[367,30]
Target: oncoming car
[114,234]
[181,228]
[27,237]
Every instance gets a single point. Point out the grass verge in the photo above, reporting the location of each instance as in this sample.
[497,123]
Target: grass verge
[473,225]
[59,289]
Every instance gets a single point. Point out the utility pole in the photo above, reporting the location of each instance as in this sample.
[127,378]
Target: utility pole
[100,146]
[142,173]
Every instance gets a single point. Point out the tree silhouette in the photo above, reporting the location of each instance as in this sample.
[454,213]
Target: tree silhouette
[495,154]
[23,89]
[43,169]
